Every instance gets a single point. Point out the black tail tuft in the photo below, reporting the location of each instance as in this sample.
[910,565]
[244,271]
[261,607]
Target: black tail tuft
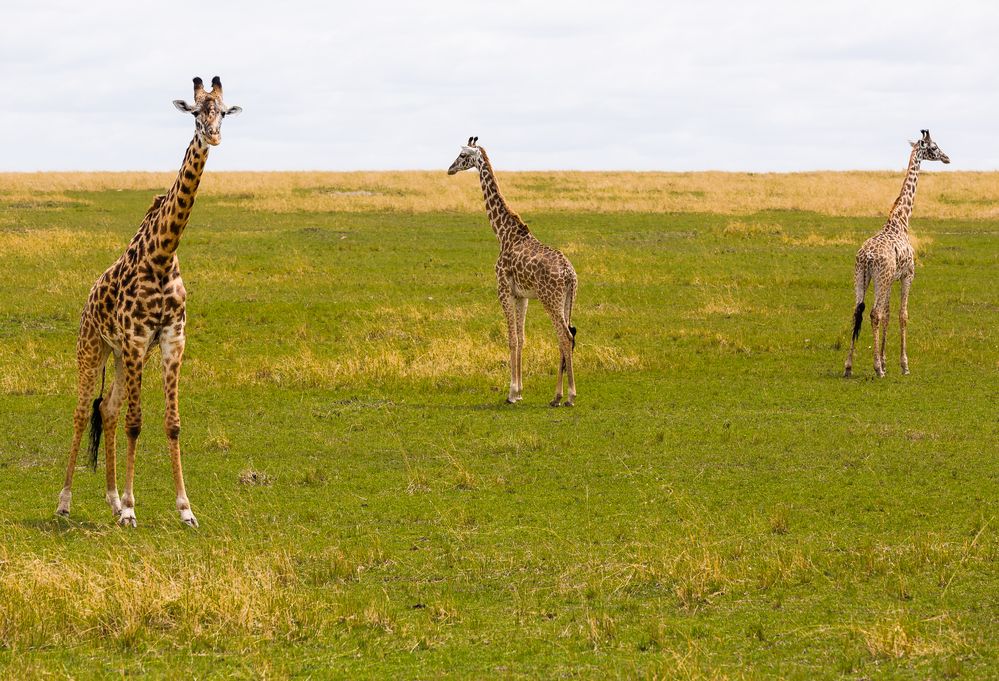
[858,319]
[572,330]
[96,428]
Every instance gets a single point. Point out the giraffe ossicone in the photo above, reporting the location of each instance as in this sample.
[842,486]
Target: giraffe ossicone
[888,257]
[137,302]
[526,268]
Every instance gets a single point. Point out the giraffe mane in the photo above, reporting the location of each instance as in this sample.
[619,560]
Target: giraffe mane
[155,205]
[499,194]
[898,199]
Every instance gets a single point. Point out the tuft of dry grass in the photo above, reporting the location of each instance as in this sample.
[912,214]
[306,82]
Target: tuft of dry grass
[599,630]
[896,637]
[218,441]
[751,229]
[973,195]
[780,522]
[813,240]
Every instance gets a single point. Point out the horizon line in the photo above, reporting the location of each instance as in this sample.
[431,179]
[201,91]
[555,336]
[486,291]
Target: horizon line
[516,170]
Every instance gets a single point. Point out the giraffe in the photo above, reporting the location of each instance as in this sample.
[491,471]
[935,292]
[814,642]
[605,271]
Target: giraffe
[526,269]
[888,257]
[137,302]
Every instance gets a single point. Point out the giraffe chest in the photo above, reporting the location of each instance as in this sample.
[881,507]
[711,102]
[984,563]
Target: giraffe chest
[137,308]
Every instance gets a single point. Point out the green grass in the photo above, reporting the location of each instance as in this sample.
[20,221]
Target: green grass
[719,504]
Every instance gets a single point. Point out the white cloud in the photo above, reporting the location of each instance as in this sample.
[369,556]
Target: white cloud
[638,85]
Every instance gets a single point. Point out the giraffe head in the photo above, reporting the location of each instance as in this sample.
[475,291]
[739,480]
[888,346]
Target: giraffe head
[208,110]
[927,149]
[469,157]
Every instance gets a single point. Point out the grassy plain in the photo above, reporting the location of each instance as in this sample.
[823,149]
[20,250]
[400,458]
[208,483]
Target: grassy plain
[720,503]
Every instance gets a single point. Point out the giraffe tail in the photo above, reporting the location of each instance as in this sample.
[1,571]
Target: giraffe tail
[570,298]
[858,319]
[96,425]
[861,281]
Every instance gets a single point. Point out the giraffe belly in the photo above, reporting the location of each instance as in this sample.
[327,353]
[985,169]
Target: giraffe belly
[521,291]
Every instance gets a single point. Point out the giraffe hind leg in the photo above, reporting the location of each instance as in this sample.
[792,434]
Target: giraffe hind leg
[110,411]
[91,353]
[565,338]
[878,320]
[861,280]
[134,361]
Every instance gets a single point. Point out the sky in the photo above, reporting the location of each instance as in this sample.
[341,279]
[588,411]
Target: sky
[768,85]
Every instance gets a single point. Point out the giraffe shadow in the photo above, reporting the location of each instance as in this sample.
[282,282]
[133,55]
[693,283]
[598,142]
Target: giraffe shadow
[57,526]
[500,406]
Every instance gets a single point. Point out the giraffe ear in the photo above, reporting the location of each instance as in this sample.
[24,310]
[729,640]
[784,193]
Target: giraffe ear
[233,111]
[184,107]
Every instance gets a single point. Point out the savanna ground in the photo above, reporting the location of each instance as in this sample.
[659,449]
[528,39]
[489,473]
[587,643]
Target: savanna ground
[719,504]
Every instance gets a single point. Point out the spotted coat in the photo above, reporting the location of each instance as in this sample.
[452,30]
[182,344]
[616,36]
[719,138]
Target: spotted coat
[139,302]
[525,269]
[888,257]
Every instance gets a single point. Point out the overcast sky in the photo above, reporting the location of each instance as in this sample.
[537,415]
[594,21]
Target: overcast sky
[689,85]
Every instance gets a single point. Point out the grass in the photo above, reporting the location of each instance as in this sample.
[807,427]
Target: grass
[960,195]
[720,503]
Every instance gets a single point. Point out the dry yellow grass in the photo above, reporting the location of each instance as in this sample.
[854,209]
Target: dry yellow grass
[896,638]
[973,195]
[45,243]
[53,600]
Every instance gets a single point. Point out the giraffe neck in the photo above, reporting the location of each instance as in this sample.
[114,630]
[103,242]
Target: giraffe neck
[902,209]
[175,209]
[506,224]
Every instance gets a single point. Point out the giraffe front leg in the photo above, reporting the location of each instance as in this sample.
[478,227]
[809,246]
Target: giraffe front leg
[903,322]
[134,361]
[509,311]
[172,350]
[521,306]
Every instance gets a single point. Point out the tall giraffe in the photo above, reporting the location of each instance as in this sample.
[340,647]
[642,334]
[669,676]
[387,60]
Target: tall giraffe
[139,301]
[526,268]
[887,257]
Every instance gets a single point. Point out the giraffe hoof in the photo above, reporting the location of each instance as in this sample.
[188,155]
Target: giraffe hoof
[190,522]
[65,498]
[555,402]
[127,517]
[848,373]
[568,404]
[510,400]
